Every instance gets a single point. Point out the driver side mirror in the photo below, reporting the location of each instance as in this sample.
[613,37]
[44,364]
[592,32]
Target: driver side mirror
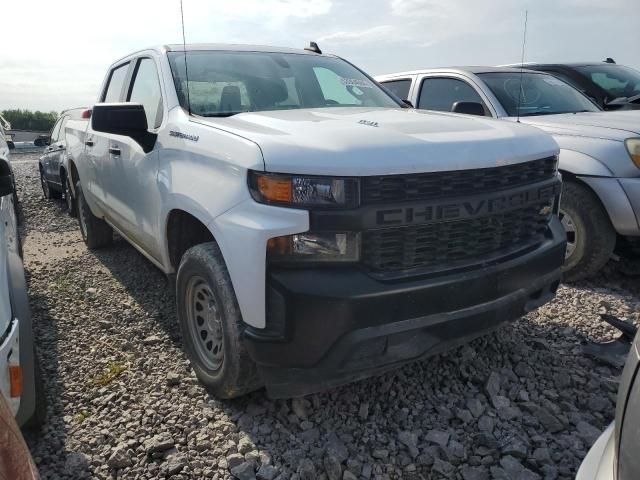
[6,179]
[127,119]
[468,108]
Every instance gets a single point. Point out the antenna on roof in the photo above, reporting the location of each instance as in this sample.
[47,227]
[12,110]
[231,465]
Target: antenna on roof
[313,47]
[186,67]
[524,42]
[609,60]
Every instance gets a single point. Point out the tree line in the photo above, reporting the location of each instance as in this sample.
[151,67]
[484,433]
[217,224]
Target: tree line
[29,120]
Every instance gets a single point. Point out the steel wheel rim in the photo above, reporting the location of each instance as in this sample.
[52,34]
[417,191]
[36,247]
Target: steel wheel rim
[205,323]
[571,232]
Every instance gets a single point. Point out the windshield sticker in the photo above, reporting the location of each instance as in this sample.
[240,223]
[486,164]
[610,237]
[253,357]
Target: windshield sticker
[553,81]
[355,82]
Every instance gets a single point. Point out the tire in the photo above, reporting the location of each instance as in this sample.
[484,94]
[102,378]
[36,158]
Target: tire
[206,302]
[95,232]
[46,188]
[68,197]
[40,411]
[590,235]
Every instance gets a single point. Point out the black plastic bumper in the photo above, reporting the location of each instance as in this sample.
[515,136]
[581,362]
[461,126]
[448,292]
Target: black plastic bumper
[327,327]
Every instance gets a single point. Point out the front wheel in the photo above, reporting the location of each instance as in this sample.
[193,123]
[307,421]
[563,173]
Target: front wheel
[95,232]
[211,324]
[590,235]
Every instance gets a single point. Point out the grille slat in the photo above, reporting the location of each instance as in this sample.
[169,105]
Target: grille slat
[422,186]
[442,245]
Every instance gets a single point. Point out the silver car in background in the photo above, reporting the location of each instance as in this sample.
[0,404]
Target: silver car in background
[599,151]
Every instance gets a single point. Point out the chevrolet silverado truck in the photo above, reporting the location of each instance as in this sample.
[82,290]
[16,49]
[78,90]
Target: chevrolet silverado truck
[317,231]
[599,151]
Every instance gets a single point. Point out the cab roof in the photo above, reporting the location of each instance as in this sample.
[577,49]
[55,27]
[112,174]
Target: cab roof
[231,47]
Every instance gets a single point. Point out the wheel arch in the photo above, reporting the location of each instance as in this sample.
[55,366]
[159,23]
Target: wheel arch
[183,230]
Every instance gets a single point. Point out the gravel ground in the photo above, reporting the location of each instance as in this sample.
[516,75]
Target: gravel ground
[522,403]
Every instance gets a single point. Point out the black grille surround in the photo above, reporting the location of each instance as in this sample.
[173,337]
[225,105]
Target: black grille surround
[446,221]
[423,186]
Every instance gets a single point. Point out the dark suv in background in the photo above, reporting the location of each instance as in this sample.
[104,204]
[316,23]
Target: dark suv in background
[612,86]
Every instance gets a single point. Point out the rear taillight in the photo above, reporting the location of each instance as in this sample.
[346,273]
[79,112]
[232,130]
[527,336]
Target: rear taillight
[86,114]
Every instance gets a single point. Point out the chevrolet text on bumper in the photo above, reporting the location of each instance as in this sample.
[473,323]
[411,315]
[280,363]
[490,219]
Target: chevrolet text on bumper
[318,232]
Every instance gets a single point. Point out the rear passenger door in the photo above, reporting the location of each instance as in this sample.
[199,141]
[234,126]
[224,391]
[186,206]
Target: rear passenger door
[129,173]
[440,93]
[58,150]
[48,150]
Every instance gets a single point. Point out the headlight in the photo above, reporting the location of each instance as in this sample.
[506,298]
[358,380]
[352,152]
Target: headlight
[315,247]
[303,191]
[633,147]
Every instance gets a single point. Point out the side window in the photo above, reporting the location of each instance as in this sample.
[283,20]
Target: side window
[55,131]
[441,93]
[400,88]
[116,81]
[146,90]
[63,126]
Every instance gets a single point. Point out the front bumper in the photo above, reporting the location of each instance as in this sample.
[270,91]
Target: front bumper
[330,326]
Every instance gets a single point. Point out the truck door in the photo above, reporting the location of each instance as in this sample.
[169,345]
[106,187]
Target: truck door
[129,172]
[50,151]
[97,143]
[58,149]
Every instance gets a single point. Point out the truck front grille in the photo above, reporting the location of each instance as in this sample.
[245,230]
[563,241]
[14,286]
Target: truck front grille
[423,186]
[444,246]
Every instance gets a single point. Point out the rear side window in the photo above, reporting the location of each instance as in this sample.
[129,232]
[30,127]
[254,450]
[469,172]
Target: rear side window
[116,81]
[63,126]
[441,93]
[400,88]
[55,131]
[146,90]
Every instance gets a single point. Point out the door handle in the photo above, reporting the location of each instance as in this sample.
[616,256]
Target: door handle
[114,151]
[89,143]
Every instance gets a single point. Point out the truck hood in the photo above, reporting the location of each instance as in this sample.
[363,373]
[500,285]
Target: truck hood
[618,125]
[356,141]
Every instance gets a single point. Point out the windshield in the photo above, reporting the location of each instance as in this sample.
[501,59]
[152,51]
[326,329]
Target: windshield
[224,83]
[541,94]
[616,80]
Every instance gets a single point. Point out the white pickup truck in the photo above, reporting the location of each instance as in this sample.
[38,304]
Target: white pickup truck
[319,232]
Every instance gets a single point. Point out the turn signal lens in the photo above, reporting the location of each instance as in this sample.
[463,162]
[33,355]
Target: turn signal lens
[15,380]
[303,191]
[633,147]
[275,189]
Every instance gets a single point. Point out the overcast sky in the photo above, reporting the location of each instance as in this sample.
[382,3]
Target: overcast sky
[55,54]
